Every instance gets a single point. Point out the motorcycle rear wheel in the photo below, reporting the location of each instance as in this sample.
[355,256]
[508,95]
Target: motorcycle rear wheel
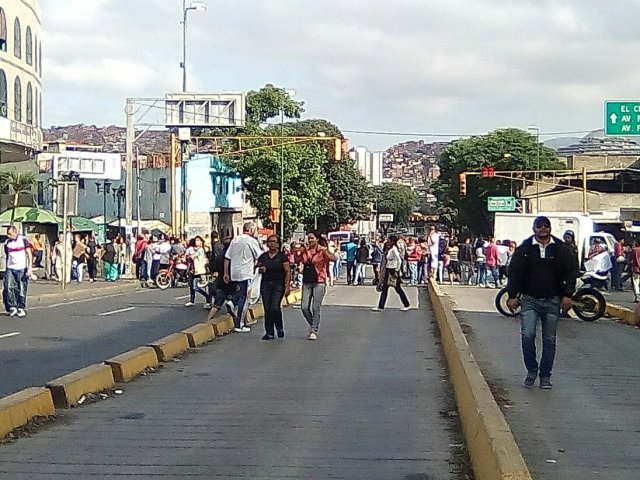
[589,304]
[501,304]
[163,280]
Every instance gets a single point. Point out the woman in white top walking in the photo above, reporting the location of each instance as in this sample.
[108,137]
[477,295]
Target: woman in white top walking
[390,275]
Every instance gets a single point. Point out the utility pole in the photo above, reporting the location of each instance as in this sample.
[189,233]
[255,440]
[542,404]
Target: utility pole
[131,133]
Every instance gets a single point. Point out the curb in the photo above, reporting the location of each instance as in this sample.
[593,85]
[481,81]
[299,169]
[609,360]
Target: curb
[494,453]
[168,347]
[88,293]
[19,408]
[66,390]
[625,314]
[199,334]
[129,365]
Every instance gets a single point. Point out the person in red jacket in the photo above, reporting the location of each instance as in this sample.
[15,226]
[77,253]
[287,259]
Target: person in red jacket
[492,262]
[138,257]
[635,270]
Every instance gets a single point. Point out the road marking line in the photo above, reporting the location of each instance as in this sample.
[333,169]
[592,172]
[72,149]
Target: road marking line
[7,335]
[117,311]
[84,300]
[182,297]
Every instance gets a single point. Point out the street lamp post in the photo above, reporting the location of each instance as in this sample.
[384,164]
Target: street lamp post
[537,130]
[198,6]
[290,93]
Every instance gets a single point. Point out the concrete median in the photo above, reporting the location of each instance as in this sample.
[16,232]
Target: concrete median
[68,389]
[18,409]
[494,452]
[625,314]
[168,347]
[199,334]
[129,365]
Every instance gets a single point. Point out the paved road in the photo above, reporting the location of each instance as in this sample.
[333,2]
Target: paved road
[368,400]
[623,299]
[60,335]
[587,426]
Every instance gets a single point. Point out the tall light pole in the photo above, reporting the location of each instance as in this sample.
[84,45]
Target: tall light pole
[290,93]
[537,130]
[199,6]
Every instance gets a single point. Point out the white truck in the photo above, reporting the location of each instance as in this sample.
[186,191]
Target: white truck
[518,226]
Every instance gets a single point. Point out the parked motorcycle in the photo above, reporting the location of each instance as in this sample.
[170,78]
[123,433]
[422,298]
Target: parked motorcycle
[177,273]
[587,302]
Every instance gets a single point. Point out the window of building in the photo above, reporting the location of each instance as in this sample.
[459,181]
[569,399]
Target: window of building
[81,184]
[40,59]
[35,107]
[17,39]
[29,104]
[35,52]
[29,46]
[3,94]
[3,31]
[40,193]
[162,185]
[17,100]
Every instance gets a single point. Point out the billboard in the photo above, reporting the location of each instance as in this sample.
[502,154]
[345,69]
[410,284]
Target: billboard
[89,165]
[205,109]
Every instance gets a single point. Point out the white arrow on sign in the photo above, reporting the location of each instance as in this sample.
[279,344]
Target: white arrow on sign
[613,118]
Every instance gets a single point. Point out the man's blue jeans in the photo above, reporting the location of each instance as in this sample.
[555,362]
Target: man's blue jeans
[546,310]
[15,288]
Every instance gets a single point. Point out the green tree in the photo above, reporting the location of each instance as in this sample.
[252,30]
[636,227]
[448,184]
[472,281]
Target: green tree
[18,183]
[397,199]
[505,149]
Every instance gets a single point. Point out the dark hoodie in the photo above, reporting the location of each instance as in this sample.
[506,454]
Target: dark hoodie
[552,276]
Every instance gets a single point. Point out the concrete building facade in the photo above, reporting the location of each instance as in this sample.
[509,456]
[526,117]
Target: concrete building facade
[369,164]
[20,80]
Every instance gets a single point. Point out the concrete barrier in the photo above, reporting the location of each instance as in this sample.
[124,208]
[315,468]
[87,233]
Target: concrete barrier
[16,410]
[168,347]
[199,334]
[625,314]
[129,365]
[66,390]
[494,452]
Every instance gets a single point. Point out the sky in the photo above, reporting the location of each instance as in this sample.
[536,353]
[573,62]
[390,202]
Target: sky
[440,69]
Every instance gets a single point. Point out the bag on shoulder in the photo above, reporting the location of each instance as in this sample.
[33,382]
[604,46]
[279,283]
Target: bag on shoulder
[309,274]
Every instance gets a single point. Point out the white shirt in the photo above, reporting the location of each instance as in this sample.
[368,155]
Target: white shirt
[543,248]
[242,254]
[16,251]
[394,260]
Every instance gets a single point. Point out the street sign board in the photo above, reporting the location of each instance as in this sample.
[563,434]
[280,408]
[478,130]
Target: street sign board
[622,117]
[385,217]
[501,204]
[629,214]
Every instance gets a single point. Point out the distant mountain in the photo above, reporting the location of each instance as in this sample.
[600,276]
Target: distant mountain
[561,142]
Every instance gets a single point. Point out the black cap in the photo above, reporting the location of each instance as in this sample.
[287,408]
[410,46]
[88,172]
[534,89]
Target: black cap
[541,220]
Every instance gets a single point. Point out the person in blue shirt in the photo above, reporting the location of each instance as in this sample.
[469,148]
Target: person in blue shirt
[351,249]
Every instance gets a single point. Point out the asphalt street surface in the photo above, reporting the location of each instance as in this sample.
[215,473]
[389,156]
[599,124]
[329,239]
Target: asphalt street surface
[587,426]
[368,400]
[60,336]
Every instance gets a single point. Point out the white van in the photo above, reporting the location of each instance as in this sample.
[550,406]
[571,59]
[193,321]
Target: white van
[518,226]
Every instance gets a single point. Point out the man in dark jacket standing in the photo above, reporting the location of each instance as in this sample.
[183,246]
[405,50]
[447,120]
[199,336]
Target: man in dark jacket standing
[542,271]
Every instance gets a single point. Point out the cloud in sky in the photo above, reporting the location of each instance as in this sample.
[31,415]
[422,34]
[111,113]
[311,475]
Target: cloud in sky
[454,67]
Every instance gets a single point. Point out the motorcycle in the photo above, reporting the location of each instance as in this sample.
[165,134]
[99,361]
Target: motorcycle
[177,273]
[587,303]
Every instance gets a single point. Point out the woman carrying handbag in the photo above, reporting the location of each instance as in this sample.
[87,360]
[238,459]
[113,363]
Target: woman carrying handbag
[390,275]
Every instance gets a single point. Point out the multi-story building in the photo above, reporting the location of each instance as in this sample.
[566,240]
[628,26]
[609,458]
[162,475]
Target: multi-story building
[20,80]
[369,164]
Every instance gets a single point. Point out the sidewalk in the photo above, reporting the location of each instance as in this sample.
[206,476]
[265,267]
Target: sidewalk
[40,291]
[368,400]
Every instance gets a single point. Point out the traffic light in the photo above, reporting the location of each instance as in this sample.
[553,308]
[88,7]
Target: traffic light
[463,183]
[488,172]
[337,149]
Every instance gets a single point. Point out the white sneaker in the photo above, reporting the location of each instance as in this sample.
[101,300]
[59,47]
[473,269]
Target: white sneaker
[405,309]
[13,311]
[237,330]
[312,336]
[245,329]
[21,313]
[207,306]
[376,309]
[189,304]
